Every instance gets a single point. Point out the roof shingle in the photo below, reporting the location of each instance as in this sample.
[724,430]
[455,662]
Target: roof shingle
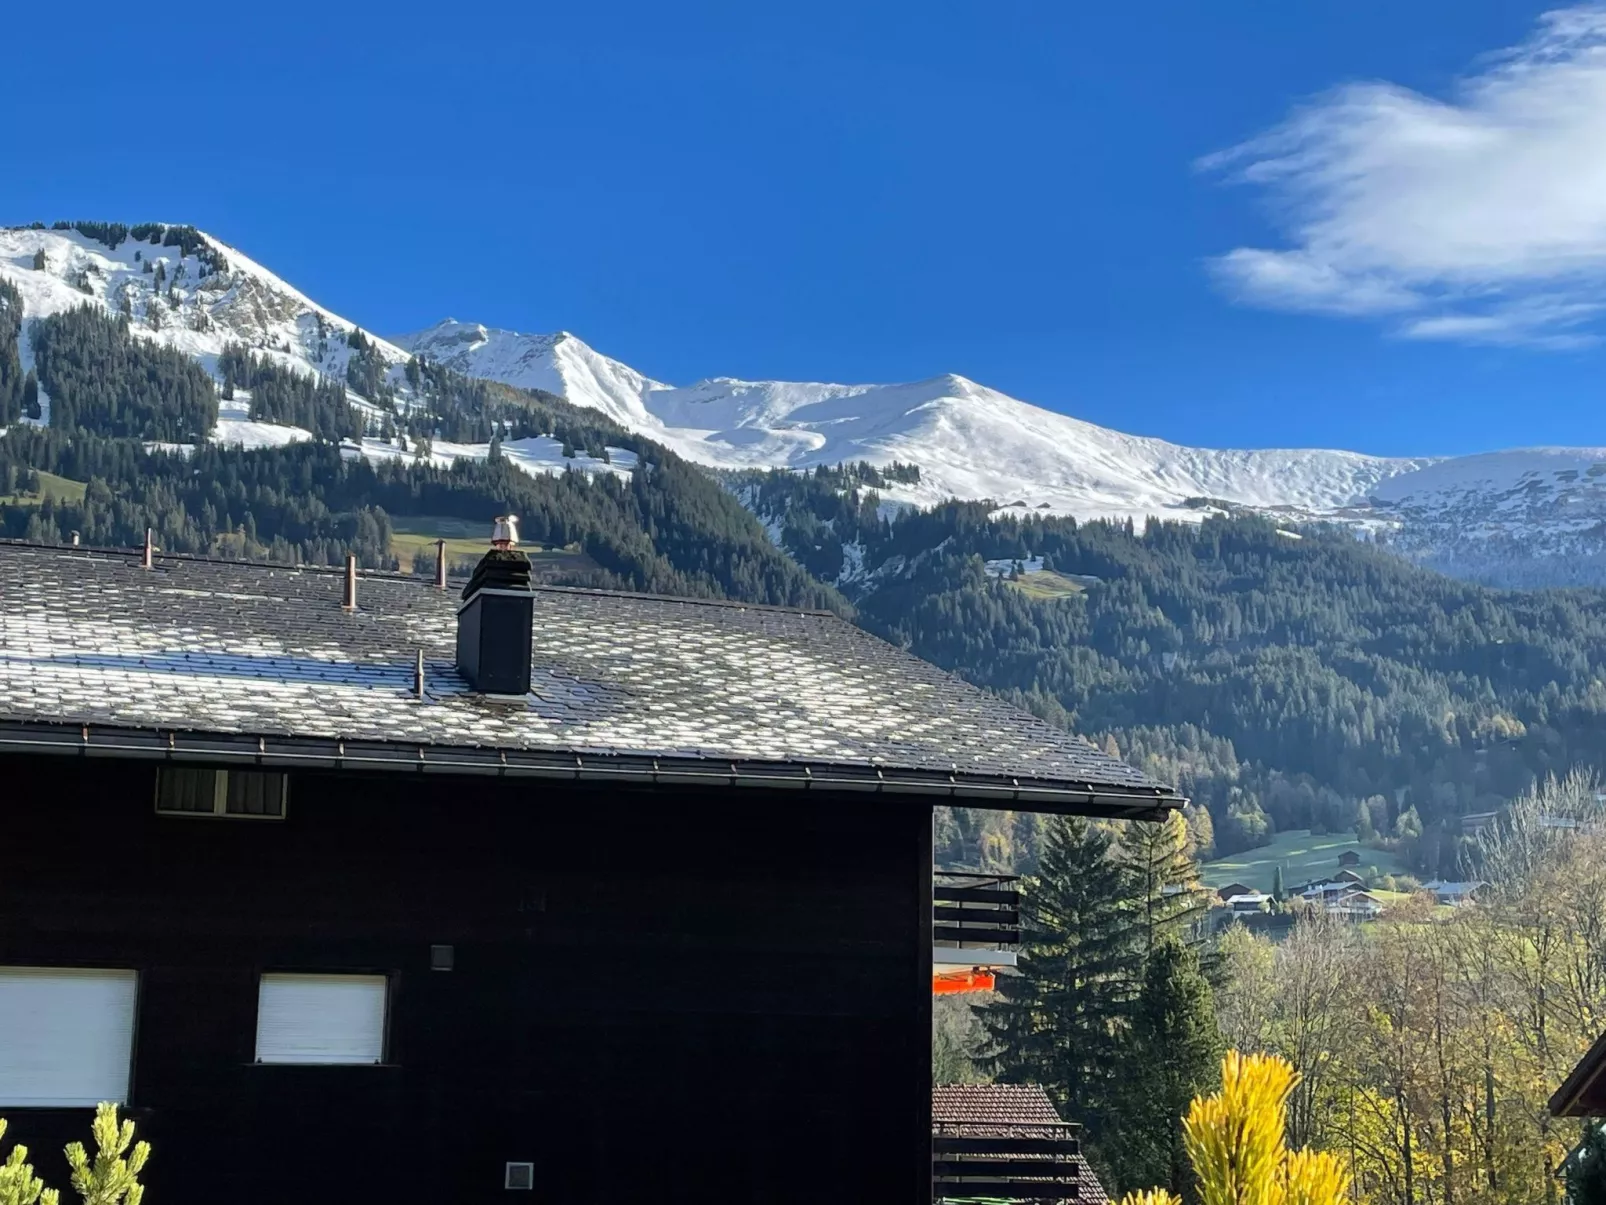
[262,650]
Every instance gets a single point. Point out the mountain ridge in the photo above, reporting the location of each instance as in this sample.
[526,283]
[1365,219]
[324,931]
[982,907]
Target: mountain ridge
[1517,517]
[970,441]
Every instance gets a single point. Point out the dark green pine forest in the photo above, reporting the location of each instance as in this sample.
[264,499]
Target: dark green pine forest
[1283,683]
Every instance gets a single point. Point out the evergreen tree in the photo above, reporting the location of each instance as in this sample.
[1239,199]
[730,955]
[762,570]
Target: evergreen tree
[1277,890]
[40,263]
[1171,1054]
[1586,1169]
[1163,882]
[1056,1021]
[12,384]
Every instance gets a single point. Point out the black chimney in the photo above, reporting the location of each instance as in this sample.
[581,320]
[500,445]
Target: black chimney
[495,621]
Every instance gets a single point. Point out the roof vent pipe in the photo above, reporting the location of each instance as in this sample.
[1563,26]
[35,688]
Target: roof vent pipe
[440,564]
[348,596]
[495,622]
[148,561]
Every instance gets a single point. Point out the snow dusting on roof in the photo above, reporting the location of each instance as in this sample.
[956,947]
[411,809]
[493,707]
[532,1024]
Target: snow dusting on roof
[257,649]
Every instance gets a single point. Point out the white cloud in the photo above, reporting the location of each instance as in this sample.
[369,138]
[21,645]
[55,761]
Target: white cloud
[1480,218]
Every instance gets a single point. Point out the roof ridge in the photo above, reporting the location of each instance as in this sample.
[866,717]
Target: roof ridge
[399,575]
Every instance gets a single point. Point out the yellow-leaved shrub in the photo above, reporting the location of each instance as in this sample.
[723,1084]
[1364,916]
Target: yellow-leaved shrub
[1235,1139]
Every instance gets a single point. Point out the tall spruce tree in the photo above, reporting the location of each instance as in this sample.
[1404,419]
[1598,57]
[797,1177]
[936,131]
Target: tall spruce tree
[1169,1054]
[1057,1022]
[1163,882]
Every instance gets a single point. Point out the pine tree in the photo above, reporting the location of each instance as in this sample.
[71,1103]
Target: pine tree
[18,1184]
[1171,1054]
[1163,880]
[1277,889]
[1056,1022]
[40,263]
[1586,1169]
[1235,1141]
[109,1178]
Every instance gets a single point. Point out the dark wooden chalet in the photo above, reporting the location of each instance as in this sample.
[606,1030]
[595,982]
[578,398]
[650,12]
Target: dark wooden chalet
[352,890]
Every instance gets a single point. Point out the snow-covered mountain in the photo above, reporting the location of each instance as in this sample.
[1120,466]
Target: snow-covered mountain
[1526,516]
[968,440]
[195,295]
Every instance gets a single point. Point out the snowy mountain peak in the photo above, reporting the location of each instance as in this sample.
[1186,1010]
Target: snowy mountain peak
[969,440]
[180,287]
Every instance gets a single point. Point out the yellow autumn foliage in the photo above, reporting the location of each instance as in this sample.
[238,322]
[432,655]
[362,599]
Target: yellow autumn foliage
[1154,1196]
[1235,1139]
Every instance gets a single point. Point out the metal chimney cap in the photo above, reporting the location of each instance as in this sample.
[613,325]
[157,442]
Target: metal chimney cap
[505,534]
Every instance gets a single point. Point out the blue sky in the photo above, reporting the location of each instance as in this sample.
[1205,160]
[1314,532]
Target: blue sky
[1408,256]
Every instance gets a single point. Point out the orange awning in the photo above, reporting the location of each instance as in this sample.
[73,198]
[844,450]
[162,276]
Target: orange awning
[975,980]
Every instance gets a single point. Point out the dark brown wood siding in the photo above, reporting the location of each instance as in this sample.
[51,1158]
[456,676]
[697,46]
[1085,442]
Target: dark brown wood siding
[657,996]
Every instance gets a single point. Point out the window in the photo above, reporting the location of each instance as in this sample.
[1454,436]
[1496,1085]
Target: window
[321,1019]
[248,794]
[66,1036]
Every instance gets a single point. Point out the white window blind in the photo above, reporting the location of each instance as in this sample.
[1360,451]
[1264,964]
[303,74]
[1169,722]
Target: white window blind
[66,1036]
[321,1019]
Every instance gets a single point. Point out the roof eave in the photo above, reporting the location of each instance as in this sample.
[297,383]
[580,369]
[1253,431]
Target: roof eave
[285,752]
[1583,1077]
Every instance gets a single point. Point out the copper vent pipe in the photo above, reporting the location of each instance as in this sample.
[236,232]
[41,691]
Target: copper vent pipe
[348,597]
[148,561]
[440,564]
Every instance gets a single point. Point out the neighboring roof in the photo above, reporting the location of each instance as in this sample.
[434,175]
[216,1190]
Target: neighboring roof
[1583,1092]
[1443,887]
[217,659]
[1231,889]
[1249,897]
[1007,1111]
[1350,897]
[992,1105]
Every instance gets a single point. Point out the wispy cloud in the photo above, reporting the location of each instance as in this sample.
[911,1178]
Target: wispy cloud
[1479,218]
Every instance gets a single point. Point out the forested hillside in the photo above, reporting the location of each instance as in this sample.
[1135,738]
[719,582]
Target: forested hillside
[1283,679]
[668,528]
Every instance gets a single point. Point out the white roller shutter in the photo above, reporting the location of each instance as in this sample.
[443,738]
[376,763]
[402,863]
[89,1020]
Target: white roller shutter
[66,1036]
[321,1019]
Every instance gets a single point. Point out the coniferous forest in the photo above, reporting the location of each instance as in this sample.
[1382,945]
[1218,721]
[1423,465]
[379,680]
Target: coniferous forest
[1283,681]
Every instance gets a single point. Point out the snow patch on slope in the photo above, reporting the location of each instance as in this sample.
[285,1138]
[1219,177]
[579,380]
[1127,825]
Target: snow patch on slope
[195,310]
[969,441]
